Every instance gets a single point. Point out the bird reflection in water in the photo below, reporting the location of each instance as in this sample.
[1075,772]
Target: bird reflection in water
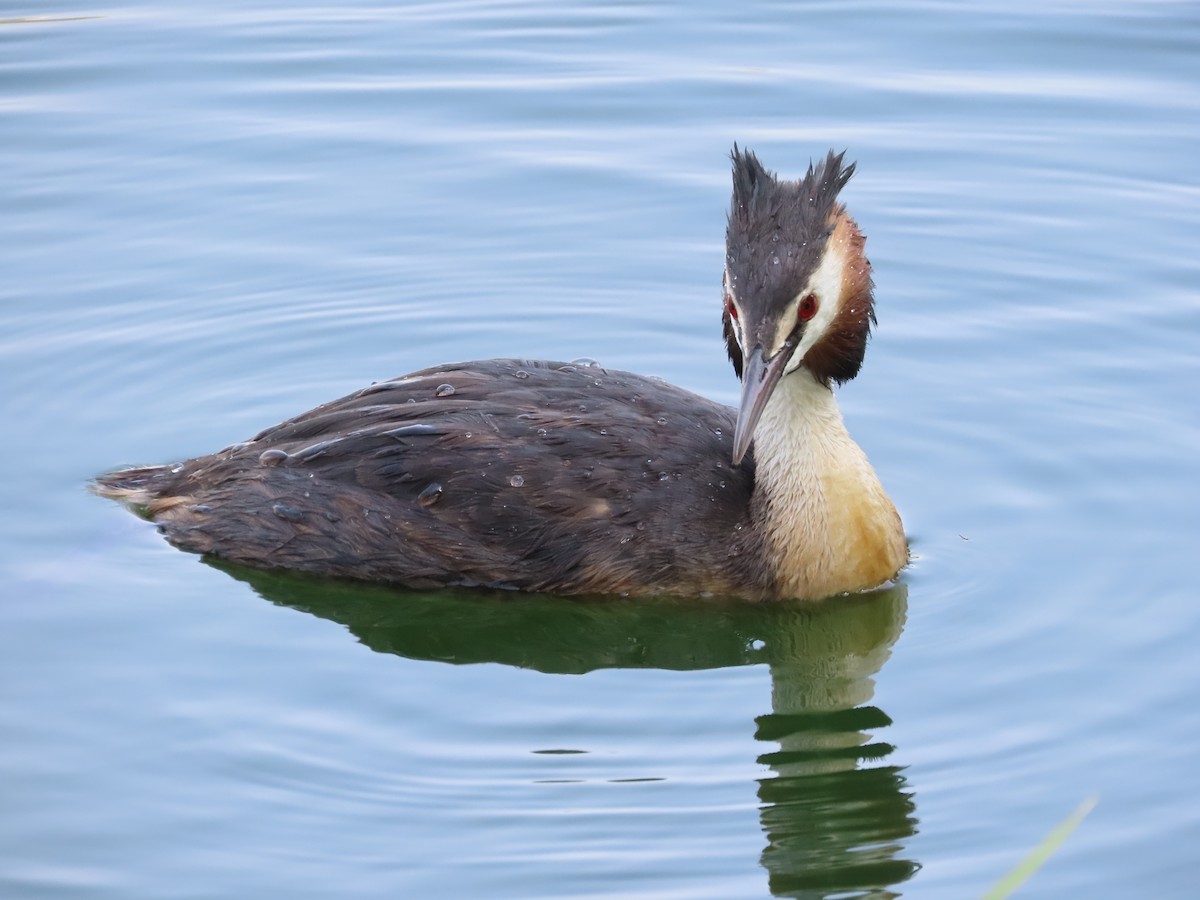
[835,812]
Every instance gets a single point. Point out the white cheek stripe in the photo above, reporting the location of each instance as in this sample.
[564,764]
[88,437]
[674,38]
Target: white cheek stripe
[826,285]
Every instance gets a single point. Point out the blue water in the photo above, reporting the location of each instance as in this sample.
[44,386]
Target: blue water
[217,215]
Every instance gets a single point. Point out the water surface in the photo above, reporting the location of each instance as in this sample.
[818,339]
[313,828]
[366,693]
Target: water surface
[217,215]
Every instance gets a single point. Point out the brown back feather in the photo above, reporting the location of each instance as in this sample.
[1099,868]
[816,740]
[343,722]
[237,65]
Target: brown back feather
[533,475]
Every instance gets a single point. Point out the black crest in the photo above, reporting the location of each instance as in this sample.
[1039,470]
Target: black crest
[758,193]
[777,229]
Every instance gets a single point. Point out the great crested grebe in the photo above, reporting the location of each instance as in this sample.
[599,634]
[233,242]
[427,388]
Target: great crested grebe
[573,479]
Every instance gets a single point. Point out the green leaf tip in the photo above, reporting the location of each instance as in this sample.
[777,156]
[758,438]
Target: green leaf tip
[1042,852]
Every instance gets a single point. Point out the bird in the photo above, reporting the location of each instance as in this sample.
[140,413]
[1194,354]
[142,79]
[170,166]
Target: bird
[568,478]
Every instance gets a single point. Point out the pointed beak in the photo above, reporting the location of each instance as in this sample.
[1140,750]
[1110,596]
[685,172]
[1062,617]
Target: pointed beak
[759,378]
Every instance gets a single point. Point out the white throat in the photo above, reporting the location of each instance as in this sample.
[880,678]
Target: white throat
[829,526]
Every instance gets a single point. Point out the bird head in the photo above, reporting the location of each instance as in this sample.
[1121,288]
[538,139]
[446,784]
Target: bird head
[797,283]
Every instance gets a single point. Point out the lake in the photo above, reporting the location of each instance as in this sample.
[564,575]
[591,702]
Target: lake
[215,216]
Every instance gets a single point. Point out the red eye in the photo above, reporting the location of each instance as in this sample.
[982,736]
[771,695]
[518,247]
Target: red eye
[730,308]
[808,308]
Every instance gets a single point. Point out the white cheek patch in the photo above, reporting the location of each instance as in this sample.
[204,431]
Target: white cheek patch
[826,285]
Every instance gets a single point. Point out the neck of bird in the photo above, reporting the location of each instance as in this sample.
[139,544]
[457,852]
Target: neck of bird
[827,524]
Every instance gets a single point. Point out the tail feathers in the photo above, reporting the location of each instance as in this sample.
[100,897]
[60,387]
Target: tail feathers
[134,487]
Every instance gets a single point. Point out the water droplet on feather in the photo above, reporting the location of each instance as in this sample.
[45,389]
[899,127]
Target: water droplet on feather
[272,457]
